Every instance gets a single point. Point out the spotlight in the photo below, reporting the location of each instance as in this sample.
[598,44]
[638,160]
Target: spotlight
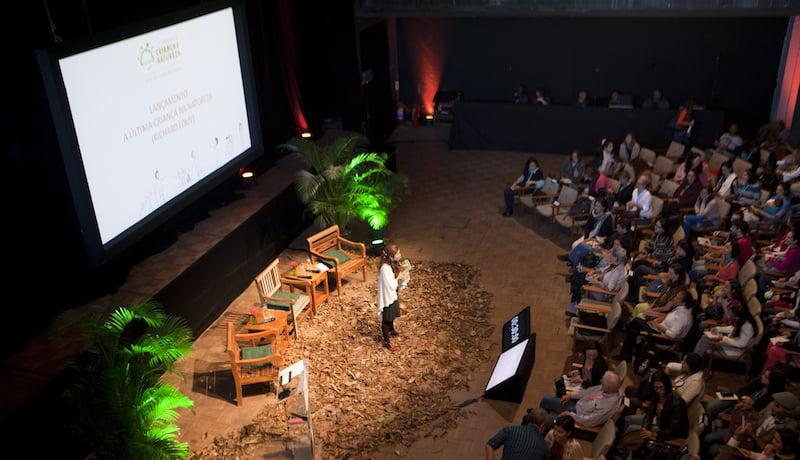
[247,177]
[428,119]
[305,134]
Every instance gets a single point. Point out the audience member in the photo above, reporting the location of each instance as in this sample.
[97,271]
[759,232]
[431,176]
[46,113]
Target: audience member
[748,190]
[591,406]
[641,200]
[726,183]
[694,162]
[784,445]
[706,212]
[625,189]
[629,149]
[675,325]
[541,97]
[775,267]
[684,123]
[731,341]
[572,170]
[521,95]
[688,381]
[730,142]
[531,179]
[521,441]
[755,394]
[656,101]
[608,159]
[591,372]
[560,441]
[582,100]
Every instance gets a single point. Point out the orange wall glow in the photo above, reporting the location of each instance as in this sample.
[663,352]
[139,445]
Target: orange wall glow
[789,81]
[430,49]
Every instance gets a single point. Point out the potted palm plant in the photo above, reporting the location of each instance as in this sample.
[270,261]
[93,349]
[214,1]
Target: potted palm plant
[345,181]
[124,410]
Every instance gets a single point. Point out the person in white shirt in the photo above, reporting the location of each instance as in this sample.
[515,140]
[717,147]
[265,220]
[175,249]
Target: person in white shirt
[675,325]
[688,381]
[390,275]
[641,200]
[730,142]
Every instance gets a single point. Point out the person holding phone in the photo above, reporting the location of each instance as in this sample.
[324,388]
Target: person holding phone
[390,275]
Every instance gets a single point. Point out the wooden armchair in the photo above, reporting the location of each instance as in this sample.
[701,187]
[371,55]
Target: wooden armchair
[529,200]
[566,198]
[341,255]
[255,363]
[612,311]
[269,283]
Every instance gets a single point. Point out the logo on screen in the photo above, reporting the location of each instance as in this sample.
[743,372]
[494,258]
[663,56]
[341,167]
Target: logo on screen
[146,56]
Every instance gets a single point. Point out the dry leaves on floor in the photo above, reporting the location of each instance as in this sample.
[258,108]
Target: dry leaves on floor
[365,397]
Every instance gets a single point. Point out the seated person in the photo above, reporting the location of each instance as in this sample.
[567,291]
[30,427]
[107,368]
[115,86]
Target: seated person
[521,95]
[625,190]
[694,162]
[622,237]
[775,210]
[784,445]
[675,325]
[591,406]
[599,223]
[531,179]
[728,268]
[592,369]
[748,189]
[755,394]
[647,267]
[735,339]
[560,440]
[582,100]
[730,142]
[541,97]
[608,159]
[773,268]
[666,418]
[610,278]
[656,101]
[667,286]
[726,183]
[759,427]
[705,211]
[688,381]
[640,204]
[659,246]
[572,170]
[685,196]
[629,149]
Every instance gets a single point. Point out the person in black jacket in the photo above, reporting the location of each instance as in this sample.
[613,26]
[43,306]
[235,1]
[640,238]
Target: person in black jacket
[666,418]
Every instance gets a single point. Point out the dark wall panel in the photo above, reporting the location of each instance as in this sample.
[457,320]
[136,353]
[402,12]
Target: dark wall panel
[725,63]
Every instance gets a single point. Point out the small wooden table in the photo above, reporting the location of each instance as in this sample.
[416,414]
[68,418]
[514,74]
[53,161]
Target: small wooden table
[279,326]
[317,281]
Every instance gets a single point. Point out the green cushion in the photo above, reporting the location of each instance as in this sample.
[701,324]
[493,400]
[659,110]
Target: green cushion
[255,353]
[284,305]
[339,255]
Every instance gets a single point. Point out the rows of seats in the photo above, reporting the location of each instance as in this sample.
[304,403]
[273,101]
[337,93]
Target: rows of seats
[711,278]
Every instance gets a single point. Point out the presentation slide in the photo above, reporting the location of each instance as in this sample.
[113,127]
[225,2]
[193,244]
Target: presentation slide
[156,114]
[507,365]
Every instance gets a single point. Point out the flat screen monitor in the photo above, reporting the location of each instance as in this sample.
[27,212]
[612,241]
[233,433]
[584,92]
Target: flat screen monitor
[150,118]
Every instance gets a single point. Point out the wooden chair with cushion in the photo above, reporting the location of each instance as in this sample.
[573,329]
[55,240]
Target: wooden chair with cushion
[342,256]
[269,284]
[612,311]
[716,161]
[663,166]
[740,165]
[256,363]
[530,200]
[566,198]
[648,156]
[675,150]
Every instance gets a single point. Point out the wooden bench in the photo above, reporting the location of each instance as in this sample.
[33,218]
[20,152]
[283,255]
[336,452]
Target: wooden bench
[342,256]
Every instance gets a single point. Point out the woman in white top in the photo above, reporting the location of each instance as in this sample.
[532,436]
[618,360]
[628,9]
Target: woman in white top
[389,277]
[739,336]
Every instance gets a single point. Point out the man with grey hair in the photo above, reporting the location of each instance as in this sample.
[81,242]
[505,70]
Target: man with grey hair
[524,441]
[591,406]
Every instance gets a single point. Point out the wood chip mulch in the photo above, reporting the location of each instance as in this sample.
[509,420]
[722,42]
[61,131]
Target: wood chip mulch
[365,397]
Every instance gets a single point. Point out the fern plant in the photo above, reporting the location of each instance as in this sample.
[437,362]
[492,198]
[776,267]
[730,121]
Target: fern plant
[345,182]
[125,410]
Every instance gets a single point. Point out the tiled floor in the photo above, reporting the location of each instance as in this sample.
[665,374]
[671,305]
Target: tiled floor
[452,214]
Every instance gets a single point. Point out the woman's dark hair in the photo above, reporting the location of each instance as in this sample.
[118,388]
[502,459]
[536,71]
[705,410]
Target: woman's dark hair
[697,169]
[528,164]
[603,202]
[736,291]
[566,422]
[694,361]
[660,376]
[594,345]
[743,316]
[735,249]
[679,270]
[683,243]
[710,195]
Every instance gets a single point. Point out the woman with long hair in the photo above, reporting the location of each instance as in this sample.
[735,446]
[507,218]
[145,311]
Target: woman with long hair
[739,335]
[390,275]
[560,440]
